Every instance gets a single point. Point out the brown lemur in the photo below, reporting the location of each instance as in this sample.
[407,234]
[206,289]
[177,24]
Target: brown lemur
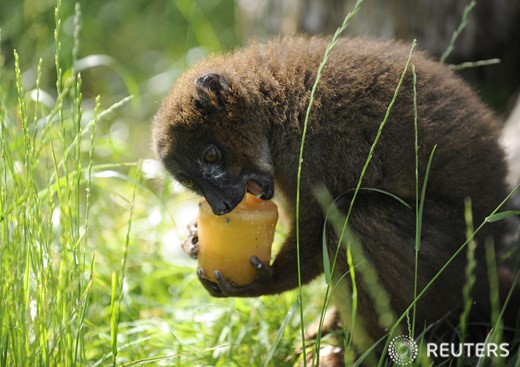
[233,123]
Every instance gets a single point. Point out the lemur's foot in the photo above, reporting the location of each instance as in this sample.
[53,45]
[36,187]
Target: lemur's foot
[224,288]
[191,244]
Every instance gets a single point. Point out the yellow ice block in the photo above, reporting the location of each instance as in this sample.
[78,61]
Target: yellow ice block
[227,242]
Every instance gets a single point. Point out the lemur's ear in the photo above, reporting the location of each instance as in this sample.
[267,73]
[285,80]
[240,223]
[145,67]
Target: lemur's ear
[210,90]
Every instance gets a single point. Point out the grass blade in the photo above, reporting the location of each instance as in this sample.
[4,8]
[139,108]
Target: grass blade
[463,23]
[280,333]
[502,215]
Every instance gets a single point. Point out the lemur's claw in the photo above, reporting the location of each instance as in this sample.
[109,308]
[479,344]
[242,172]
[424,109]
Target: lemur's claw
[224,288]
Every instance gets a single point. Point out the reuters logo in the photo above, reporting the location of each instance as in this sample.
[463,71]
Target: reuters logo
[402,350]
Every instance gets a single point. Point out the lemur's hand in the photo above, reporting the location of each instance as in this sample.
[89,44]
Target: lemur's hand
[223,288]
[191,244]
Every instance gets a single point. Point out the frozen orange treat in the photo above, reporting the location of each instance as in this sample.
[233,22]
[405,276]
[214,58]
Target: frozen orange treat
[227,242]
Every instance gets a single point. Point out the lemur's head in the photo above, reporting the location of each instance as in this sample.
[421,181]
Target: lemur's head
[208,140]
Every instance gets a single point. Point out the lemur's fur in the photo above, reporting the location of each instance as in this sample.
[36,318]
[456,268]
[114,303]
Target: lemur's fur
[234,123]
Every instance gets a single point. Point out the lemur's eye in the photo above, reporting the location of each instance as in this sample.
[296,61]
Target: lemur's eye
[212,155]
[187,183]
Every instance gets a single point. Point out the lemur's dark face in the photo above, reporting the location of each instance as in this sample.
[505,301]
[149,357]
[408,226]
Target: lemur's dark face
[210,150]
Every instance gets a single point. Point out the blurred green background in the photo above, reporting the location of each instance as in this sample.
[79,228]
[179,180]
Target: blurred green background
[126,47]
